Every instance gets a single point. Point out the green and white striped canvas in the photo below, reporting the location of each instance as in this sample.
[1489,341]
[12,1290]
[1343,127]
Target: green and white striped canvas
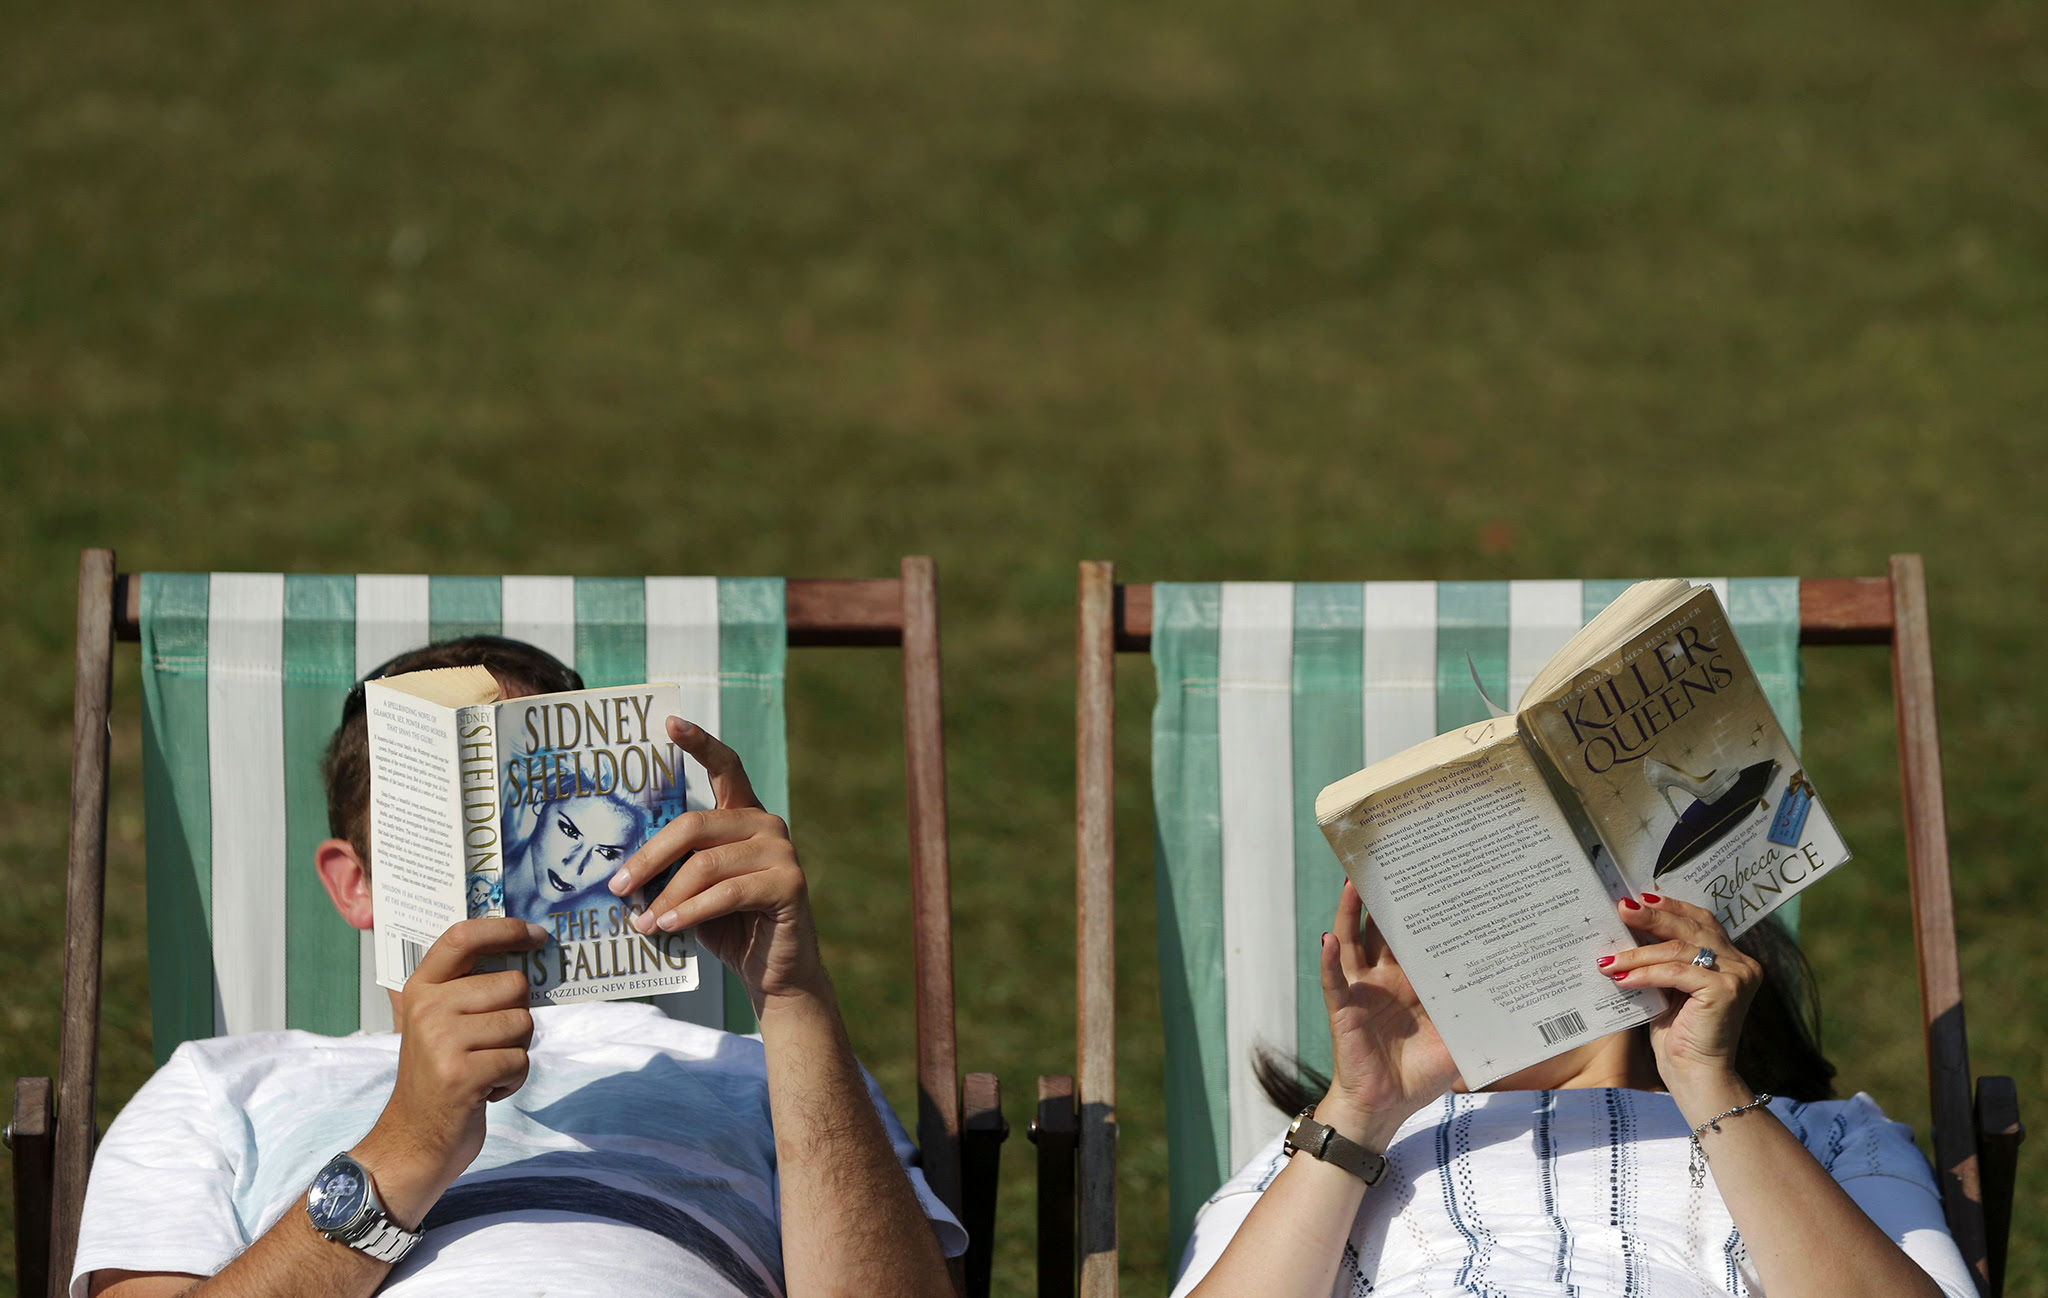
[1267,692]
[243,680]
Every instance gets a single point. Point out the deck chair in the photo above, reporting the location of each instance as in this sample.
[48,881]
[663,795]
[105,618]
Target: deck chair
[243,678]
[1268,691]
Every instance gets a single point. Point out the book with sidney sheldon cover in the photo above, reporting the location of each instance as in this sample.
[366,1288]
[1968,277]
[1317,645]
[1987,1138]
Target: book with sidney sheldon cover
[1642,758]
[523,807]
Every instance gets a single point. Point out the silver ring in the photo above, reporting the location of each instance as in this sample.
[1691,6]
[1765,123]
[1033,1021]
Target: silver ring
[1705,959]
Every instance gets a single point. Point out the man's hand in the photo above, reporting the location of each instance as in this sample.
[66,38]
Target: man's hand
[464,1044]
[850,1221]
[741,886]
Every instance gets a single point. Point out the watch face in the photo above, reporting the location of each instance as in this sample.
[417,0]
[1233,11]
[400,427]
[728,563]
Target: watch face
[338,1195]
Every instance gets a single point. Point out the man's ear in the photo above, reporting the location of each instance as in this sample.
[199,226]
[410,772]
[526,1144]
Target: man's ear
[346,879]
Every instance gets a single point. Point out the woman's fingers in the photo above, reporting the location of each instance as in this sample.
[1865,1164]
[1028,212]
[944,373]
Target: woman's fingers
[1713,984]
[1375,943]
[1655,953]
[1335,986]
[730,786]
[1351,950]
[1687,930]
[1668,918]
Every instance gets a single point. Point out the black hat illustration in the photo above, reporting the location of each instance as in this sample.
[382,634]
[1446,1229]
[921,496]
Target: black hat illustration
[1722,799]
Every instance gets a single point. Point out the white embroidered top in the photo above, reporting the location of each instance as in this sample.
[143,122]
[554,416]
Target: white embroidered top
[1583,1193]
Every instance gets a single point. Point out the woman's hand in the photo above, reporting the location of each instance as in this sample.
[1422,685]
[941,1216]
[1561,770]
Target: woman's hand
[1695,1039]
[1388,1060]
[741,887]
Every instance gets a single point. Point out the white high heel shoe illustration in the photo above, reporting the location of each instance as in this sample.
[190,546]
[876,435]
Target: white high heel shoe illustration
[1664,777]
[1721,799]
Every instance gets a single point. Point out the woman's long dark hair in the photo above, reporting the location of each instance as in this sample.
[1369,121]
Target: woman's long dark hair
[1779,1051]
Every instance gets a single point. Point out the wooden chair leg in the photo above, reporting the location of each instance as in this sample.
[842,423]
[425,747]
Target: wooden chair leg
[33,1143]
[1999,1133]
[1055,1131]
[983,1129]
[85,886]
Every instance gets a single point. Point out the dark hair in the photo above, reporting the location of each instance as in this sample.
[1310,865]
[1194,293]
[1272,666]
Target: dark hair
[346,766]
[1779,1051]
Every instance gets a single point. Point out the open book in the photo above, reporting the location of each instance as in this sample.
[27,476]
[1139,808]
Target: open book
[523,807]
[1642,758]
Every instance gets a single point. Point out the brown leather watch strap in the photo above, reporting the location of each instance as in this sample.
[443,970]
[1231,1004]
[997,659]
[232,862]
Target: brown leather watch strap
[1326,1145]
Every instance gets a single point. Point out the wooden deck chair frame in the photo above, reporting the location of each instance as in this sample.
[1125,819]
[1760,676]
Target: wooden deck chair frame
[959,1121]
[1975,1140]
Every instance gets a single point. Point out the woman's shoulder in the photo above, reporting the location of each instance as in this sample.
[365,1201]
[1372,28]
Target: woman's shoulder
[1853,1137]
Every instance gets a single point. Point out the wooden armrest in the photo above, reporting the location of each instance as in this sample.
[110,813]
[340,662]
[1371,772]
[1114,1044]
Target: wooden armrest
[32,1138]
[983,1129]
[1999,1133]
[1056,1132]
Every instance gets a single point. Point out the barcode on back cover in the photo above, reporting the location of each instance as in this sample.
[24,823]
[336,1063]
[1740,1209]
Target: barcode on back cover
[1568,1024]
[411,953]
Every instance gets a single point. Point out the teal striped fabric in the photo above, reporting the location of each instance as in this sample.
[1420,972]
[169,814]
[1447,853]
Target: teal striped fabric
[243,680]
[1267,692]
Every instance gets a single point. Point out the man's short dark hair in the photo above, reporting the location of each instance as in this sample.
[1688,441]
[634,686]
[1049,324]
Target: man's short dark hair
[346,766]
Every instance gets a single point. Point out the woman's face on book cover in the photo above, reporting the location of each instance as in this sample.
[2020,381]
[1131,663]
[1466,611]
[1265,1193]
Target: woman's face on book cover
[579,844]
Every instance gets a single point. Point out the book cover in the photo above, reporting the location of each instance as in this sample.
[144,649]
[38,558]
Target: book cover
[586,779]
[524,807]
[1672,751]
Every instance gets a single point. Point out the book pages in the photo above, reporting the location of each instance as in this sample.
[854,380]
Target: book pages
[415,827]
[1487,899]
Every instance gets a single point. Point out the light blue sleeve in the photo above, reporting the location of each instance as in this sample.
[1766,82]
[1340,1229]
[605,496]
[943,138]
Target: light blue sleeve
[1877,1164]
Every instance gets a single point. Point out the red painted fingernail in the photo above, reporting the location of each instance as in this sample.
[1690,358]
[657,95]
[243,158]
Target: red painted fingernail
[1652,898]
[1605,960]
[1630,902]
[1619,976]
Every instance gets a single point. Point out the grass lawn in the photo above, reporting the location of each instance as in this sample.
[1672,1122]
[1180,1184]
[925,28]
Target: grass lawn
[1309,290]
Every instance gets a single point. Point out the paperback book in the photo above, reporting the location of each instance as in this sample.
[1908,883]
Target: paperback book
[526,807]
[1642,758]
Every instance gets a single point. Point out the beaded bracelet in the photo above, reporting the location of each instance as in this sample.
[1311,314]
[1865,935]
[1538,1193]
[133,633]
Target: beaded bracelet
[1697,1164]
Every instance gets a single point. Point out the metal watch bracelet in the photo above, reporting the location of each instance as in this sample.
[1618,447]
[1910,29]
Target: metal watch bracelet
[387,1242]
[368,1228]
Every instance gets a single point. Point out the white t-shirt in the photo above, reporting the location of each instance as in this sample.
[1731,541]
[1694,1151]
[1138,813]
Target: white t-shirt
[1586,1193]
[637,1158]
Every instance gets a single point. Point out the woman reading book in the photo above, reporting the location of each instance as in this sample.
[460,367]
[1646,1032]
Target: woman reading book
[1641,1163]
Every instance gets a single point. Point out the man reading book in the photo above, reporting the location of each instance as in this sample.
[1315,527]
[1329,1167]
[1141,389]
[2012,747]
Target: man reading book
[575,1149]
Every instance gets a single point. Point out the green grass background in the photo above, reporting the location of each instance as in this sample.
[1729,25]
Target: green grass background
[1309,289]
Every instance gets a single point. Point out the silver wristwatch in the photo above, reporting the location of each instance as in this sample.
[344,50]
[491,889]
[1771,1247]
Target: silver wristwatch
[1307,1136]
[343,1205]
